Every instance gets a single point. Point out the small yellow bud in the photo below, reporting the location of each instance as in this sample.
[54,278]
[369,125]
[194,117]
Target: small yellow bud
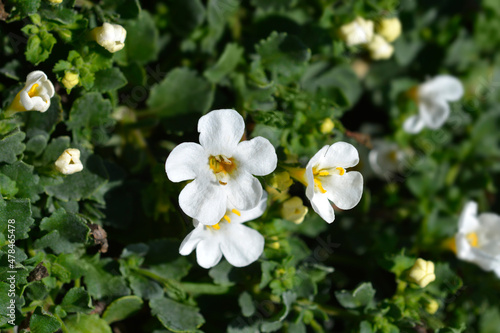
[389,28]
[422,273]
[70,79]
[69,162]
[55,1]
[281,181]
[327,126]
[294,210]
[275,245]
[432,307]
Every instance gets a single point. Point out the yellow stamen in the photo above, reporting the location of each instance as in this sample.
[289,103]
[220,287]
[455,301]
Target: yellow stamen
[227,218]
[32,91]
[317,182]
[237,212]
[340,170]
[473,239]
[215,226]
[323,173]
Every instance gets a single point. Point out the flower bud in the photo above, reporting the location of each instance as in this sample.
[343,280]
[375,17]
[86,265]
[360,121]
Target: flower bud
[55,1]
[294,210]
[422,273]
[69,162]
[70,79]
[431,307]
[380,49]
[359,31]
[389,28]
[35,95]
[327,126]
[110,36]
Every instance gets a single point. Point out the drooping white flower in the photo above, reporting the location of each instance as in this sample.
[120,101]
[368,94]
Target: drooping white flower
[379,48]
[478,238]
[69,162]
[239,244]
[35,95]
[389,28]
[386,159]
[432,98]
[328,180]
[359,31]
[222,167]
[110,36]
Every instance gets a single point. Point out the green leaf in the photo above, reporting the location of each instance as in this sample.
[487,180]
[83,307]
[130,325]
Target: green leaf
[44,122]
[125,8]
[186,15]
[11,146]
[18,210]
[26,180]
[109,80]
[142,43]
[490,320]
[102,278]
[25,7]
[176,316]
[67,232]
[77,300]
[122,308]
[39,47]
[227,62]
[81,323]
[7,186]
[361,296]
[283,54]
[43,323]
[181,92]
[246,304]
[90,117]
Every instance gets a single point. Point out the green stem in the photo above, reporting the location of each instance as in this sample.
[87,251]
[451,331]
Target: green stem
[64,329]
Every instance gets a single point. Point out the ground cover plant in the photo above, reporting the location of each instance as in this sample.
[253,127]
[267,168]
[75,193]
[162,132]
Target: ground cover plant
[249,166]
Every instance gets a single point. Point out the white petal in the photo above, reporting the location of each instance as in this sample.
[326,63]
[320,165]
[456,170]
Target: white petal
[490,222]
[49,88]
[322,207]
[241,245]
[434,112]
[314,161]
[26,100]
[257,156]
[244,191]
[443,87]
[34,77]
[344,191]
[340,154]
[208,253]
[221,131]
[39,104]
[185,162]
[203,201]
[413,124]
[468,221]
[191,241]
[252,214]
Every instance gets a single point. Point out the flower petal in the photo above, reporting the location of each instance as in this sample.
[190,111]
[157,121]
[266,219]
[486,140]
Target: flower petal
[322,207]
[208,252]
[252,214]
[257,156]
[185,162]
[203,201]
[221,131]
[340,154]
[413,124]
[242,245]
[468,221]
[441,87]
[34,77]
[244,190]
[434,112]
[344,191]
[191,241]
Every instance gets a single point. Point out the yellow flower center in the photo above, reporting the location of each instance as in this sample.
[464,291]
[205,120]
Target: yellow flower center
[473,239]
[319,174]
[222,167]
[32,91]
[224,218]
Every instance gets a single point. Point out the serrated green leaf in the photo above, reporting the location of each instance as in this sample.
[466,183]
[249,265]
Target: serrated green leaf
[11,146]
[141,44]
[109,80]
[44,123]
[26,180]
[102,278]
[40,47]
[361,296]
[81,323]
[25,7]
[246,304]
[77,300]
[43,323]
[176,316]
[125,8]
[122,308]
[7,186]
[19,211]
[229,59]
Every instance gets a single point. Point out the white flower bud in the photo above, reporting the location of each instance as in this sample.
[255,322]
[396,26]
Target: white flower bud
[110,36]
[422,273]
[69,162]
[379,48]
[359,31]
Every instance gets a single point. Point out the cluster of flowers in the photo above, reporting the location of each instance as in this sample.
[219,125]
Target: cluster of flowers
[362,32]
[225,193]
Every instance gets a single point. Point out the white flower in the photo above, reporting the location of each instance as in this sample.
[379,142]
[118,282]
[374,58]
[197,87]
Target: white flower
[432,98]
[221,166]
[359,31]
[327,179]
[379,48]
[69,162]
[478,238]
[35,95]
[389,28]
[239,244]
[422,273]
[110,36]
[386,159]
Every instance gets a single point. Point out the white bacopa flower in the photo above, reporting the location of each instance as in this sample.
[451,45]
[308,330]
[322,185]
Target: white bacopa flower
[478,238]
[35,95]
[379,48]
[69,162]
[110,36]
[432,98]
[359,31]
[239,244]
[328,180]
[386,159]
[222,167]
